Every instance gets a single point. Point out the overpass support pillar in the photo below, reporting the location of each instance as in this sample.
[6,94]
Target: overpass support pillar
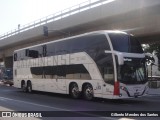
[8,62]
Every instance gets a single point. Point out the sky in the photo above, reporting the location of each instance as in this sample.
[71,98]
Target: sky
[14,12]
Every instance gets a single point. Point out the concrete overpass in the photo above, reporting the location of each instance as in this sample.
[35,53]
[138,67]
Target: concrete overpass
[138,17]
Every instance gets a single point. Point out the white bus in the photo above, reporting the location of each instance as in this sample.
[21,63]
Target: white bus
[104,64]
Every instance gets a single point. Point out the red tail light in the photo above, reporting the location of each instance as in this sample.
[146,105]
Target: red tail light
[116,88]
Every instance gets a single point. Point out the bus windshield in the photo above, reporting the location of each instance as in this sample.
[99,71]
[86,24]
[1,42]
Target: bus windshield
[132,72]
[125,43]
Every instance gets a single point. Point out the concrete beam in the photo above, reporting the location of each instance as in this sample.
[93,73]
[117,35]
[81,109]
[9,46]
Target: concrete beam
[140,18]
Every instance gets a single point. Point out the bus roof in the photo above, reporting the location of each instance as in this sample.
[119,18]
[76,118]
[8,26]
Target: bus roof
[67,38]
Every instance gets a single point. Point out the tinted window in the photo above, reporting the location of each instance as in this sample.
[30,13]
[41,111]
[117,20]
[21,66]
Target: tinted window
[91,44]
[125,43]
[37,70]
[62,47]
[133,71]
[77,72]
[34,52]
[135,45]
[61,72]
[51,49]
[15,56]
[21,55]
[120,42]
[105,64]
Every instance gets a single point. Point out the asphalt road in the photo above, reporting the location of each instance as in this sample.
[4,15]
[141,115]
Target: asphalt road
[66,108]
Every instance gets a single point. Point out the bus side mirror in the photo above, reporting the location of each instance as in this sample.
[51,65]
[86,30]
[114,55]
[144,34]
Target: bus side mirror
[149,59]
[120,59]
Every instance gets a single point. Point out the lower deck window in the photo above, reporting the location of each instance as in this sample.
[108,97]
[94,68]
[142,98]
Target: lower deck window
[61,72]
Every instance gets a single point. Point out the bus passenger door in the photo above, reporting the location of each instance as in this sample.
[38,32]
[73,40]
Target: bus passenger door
[108,85]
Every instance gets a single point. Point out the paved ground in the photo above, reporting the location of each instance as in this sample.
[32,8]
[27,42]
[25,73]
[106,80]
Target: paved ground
[153,91]
[12,99]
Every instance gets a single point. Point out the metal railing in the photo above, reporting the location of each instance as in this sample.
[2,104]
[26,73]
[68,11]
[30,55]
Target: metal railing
[154,82]
[56,16]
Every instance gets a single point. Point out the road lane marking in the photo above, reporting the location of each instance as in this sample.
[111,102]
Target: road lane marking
[155,95]
[4,98]
[56,108]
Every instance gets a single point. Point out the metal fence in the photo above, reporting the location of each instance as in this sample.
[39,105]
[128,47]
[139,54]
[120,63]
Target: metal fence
[154,82]
[56,16]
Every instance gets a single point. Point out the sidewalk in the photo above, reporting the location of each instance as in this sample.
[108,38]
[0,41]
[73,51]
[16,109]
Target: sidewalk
[154,91]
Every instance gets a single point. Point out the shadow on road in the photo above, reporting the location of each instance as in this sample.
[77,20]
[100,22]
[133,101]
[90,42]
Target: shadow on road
[97,100]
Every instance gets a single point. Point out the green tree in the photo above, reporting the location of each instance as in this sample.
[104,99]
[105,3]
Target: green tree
[154,48]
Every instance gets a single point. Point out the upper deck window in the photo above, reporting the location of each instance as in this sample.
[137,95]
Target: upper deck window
[125,43]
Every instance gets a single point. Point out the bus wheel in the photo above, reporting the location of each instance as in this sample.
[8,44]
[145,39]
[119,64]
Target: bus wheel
[29,87]
[23,86]
[88,92]
[74,91]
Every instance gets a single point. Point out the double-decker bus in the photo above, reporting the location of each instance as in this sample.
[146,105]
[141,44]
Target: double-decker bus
[104,64]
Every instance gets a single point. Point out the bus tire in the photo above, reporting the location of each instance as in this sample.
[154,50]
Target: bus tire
[29,87]
[23,86]
[74,90]
[88,92]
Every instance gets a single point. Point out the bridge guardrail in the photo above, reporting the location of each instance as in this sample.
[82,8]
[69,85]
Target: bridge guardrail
[56,16]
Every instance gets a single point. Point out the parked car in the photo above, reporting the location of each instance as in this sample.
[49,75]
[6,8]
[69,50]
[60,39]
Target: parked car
[8,76]
[7,81]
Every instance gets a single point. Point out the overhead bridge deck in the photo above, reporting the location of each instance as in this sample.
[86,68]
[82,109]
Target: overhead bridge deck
[138,17]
